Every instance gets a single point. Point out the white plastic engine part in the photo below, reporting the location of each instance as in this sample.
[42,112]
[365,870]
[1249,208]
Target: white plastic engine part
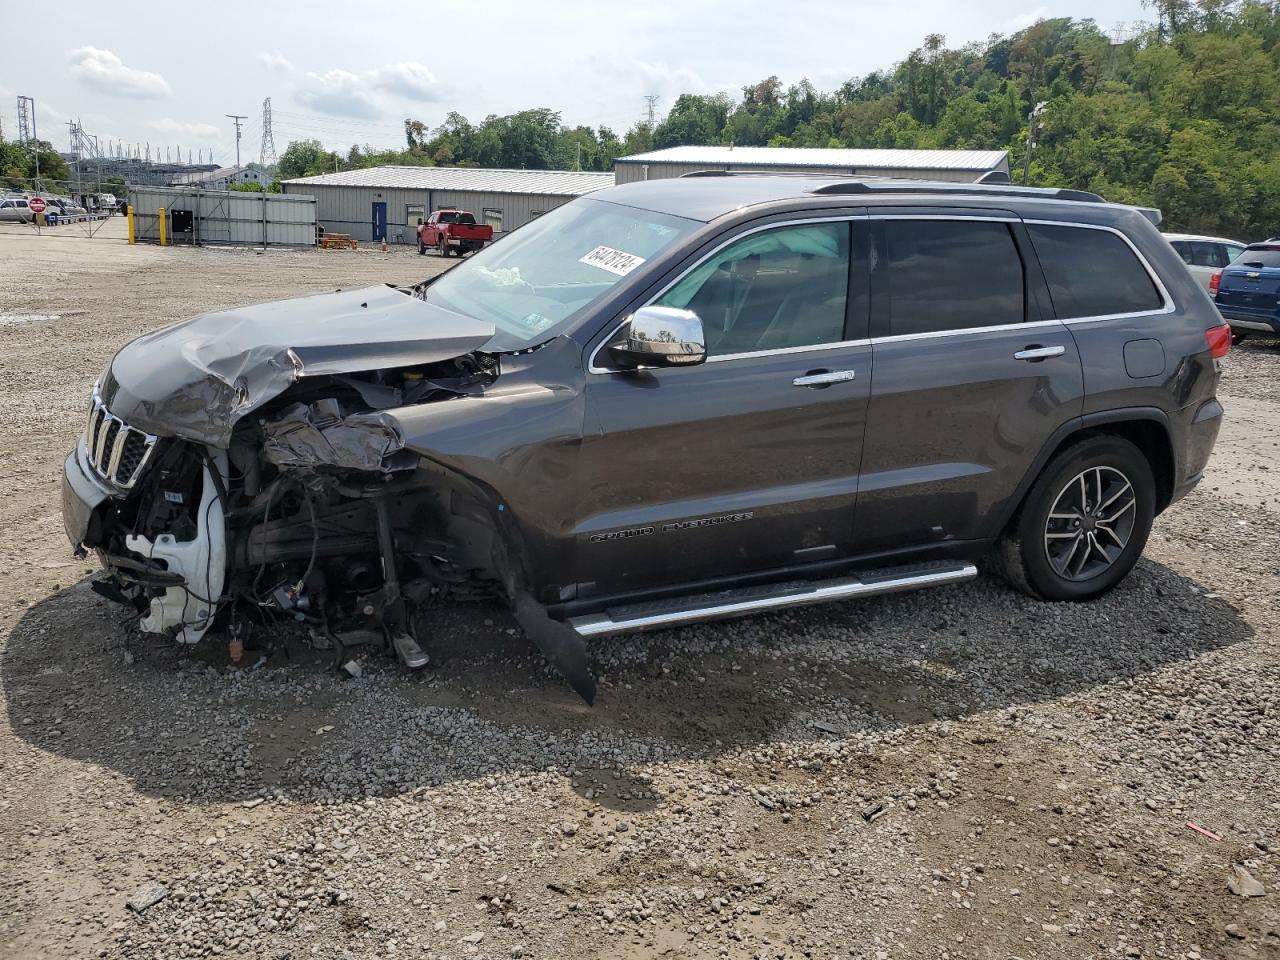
[202,564]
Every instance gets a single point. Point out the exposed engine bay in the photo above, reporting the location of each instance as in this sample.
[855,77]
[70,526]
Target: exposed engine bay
[313,515]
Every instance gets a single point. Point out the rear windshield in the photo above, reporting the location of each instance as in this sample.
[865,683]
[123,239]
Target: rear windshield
[1259,257]
[455,217]
[532,282]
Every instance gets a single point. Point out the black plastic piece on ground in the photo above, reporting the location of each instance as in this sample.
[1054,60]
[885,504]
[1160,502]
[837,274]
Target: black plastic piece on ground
[559,643]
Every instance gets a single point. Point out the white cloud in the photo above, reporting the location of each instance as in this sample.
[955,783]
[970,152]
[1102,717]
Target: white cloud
[275,61]
[367,94]
[412,81]
[104,71]
[198,131]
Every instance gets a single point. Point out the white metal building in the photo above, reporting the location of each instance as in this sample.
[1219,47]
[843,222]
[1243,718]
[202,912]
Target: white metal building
[963,166]
[221,178]
[197,216]
[391,201]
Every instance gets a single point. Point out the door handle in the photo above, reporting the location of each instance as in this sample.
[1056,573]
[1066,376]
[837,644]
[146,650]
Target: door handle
[823,377]
[1034,353]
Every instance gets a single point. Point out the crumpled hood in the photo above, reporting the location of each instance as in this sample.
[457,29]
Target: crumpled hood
[197,378]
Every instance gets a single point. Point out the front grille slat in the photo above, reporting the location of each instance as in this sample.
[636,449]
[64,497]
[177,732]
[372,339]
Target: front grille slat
[116,451]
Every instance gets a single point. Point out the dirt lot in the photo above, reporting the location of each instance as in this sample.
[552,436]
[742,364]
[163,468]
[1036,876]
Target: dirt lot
[1037,765]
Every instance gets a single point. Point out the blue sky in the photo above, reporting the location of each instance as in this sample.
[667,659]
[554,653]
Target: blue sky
[347,72]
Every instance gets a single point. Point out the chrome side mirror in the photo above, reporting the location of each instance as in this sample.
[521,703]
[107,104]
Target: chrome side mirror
[660,337]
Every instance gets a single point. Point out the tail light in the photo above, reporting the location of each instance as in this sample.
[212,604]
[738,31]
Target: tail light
[1214,282]
[1219,340]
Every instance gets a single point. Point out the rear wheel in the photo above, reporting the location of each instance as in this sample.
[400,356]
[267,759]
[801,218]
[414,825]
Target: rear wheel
[1083,524]
[422,247]
[444,249]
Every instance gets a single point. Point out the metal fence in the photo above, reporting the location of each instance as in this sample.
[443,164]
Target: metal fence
[197,216]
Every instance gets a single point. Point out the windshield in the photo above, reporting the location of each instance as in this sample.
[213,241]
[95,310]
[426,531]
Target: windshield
[531,283]
[1259,257]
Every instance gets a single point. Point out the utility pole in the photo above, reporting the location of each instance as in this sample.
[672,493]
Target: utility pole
[236,118]
[1031,139]
[267,156]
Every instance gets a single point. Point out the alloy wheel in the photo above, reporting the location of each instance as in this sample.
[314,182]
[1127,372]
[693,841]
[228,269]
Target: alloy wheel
[1090,523]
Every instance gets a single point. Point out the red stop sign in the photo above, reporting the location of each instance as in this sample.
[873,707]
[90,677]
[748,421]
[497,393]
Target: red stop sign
[37,204]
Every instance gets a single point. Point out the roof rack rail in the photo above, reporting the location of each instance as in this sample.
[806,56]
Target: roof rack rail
[975,189]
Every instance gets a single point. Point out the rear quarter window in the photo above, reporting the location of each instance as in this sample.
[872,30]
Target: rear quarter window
[1092,272]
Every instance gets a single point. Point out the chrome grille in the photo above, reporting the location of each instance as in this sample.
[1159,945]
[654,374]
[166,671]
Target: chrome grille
[116,451]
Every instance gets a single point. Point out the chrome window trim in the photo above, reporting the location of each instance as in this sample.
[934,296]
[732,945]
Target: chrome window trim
[1168,307]
[776,225]
[1166,298]
[994,328]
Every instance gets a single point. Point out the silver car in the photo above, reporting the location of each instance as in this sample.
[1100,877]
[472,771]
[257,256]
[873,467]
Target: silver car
[15,210]
[1204,256]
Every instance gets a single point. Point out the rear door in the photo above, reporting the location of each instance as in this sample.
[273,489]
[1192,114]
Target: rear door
[749,461]
[972,376]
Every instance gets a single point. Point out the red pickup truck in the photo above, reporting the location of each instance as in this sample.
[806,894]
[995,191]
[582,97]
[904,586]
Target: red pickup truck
[453,230]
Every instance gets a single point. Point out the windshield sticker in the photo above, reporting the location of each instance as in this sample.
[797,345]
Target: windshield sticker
[615,261]
[535,322]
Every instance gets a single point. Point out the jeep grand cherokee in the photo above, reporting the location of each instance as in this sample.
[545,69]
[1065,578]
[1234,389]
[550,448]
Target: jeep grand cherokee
[666,402]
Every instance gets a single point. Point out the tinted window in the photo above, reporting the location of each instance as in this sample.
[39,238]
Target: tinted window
[1092,273]
[1260,256]
[1183,249]
[779,288]
[1205,253]
[1233,251]
[951,275]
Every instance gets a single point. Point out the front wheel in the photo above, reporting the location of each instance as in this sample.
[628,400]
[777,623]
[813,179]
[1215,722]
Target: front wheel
[422,247]
[1083,524]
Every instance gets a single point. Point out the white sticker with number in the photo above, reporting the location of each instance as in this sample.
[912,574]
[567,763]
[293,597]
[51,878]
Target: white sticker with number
[615,261]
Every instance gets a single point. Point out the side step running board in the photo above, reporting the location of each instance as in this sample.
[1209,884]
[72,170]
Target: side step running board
[774,596]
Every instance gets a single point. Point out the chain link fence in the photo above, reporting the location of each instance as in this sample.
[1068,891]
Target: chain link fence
[60,205]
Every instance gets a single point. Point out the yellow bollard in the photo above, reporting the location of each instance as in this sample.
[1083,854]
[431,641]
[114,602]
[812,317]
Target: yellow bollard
[163,237]
[129,212]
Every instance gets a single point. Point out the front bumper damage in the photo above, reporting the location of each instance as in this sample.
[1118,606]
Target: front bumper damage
[287,495]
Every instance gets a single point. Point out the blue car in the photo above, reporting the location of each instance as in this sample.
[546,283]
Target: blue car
[1248,291]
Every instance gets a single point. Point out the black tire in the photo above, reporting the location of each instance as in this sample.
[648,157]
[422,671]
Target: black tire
[421,248]
[1030,554]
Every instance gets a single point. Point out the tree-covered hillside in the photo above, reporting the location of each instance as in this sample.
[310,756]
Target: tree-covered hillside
[1184,115]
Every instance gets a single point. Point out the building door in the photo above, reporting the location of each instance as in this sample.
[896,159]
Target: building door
[379,221]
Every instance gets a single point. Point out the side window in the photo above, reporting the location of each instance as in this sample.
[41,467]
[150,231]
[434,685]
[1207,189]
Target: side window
[1204,254]
[786,287]
[1182,249]
[951,275]
[1233,252]
[1092,273]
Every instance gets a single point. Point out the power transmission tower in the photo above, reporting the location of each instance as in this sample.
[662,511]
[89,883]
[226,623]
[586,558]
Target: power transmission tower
[27,130]
[650,119]
[236,118]
[268,155]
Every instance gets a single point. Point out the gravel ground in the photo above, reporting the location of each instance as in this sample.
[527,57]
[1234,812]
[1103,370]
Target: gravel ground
[953,773]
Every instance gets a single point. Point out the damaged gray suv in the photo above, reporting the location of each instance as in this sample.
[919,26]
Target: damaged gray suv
[667,402]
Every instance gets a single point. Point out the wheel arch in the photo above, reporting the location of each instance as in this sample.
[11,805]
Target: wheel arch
[1147,428]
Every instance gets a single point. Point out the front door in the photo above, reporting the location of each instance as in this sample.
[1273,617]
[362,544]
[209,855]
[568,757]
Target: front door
[379,225]
[749,461]
[971,378]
